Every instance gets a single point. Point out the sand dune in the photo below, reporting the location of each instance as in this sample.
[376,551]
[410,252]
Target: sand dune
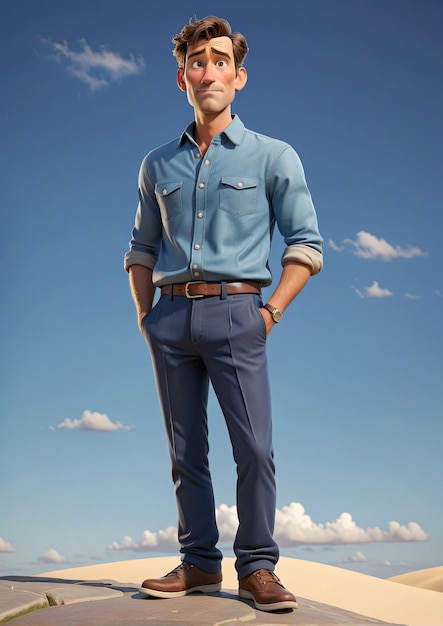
[425,579]
[386,600]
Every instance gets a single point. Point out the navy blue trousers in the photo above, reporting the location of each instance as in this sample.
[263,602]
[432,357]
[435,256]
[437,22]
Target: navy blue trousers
[222,341]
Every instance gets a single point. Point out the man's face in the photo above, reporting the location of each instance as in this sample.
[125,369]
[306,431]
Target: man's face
[209,77]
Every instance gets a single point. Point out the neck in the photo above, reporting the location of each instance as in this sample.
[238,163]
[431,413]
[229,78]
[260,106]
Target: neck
[207,126]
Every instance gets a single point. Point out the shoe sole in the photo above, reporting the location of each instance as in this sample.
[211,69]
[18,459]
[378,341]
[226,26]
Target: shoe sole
[275,606]
[178,594]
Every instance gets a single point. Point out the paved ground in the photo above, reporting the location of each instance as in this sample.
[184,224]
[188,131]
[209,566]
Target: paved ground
[56,602]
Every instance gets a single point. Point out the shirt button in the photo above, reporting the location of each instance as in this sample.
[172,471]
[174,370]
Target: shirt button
[199,214]
[197,246]
[240,184]
[164,192]
[195,266]
[201,185]
[207,162]
[197,155]
[196,274]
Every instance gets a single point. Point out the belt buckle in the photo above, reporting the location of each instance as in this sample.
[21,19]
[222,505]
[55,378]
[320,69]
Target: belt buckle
[194,282]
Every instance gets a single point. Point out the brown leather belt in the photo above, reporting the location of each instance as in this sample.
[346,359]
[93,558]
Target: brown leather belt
[201,289]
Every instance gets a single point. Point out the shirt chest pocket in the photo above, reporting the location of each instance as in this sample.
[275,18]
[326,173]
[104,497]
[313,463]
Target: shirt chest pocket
[169,198]
[238,194]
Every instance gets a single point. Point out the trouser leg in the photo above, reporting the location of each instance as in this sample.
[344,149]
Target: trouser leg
[182,383]
[235,356]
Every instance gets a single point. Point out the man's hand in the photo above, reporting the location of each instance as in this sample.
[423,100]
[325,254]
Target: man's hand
[142,290]
[268,320]
[292,280]
[141,317]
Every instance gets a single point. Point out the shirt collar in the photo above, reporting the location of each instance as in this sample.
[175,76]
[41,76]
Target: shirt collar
[234,132]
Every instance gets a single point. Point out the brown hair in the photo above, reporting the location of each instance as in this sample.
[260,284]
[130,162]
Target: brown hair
[208,28]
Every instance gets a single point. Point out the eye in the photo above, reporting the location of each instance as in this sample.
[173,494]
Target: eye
[196,65]
[221,63]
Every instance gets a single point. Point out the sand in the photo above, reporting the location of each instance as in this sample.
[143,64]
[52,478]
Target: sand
[395,601]
[425,579]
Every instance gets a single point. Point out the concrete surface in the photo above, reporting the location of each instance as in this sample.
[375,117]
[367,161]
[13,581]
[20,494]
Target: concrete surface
[58,602]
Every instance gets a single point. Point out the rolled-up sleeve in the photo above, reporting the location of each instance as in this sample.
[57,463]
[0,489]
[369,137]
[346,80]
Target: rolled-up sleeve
[294,212]
[146,235]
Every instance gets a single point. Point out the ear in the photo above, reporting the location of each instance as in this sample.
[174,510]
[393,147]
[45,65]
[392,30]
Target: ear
[241,79]
[180,79]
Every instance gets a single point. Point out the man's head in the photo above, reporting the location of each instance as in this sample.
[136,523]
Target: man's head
[210,60]
[208,28]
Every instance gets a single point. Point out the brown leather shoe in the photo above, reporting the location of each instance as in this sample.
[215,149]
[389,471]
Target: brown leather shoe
[184,579]
[267,592]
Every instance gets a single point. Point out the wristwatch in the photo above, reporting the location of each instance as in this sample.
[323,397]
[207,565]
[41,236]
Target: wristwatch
[276,313]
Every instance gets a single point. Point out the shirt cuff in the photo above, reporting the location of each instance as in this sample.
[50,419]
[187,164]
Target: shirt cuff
[135,257]
[303,254]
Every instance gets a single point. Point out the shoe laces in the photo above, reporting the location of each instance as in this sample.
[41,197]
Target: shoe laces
[179,569]
[267,576]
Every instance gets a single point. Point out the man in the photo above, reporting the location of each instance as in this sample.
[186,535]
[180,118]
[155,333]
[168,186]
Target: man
[208,203]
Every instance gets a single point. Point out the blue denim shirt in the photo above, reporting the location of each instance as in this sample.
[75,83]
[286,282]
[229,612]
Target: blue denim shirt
[212,217]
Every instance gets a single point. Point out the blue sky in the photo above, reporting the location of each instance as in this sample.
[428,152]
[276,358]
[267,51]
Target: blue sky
[356,366]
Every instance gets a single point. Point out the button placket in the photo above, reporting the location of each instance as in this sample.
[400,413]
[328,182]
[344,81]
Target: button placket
[200,214]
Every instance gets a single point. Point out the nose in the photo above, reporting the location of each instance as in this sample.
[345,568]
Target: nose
[208,76]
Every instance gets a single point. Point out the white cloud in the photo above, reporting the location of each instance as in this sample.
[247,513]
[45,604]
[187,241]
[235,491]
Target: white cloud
[92,421]
[51,556]
[98,68]
[375,291]
[358,292]
[334,246]
[358,557]
[367,246]
[227,522]
[292,527]
[161,541]
[399,564]
[5,546]
[411,296]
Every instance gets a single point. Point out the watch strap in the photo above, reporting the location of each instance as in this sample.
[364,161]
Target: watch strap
[276,313]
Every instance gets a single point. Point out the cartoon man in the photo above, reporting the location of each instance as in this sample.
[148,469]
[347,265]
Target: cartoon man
[208,203]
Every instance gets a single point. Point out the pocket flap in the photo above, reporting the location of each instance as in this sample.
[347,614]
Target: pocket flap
[164,189]
[240,182]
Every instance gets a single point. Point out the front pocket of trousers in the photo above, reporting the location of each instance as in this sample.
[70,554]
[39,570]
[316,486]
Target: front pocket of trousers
[261,320]
[150,318]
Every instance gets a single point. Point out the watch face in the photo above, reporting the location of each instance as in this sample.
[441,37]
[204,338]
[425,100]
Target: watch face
[277,315]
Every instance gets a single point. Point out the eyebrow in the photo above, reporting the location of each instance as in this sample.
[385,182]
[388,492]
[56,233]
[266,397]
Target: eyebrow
[214,50]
